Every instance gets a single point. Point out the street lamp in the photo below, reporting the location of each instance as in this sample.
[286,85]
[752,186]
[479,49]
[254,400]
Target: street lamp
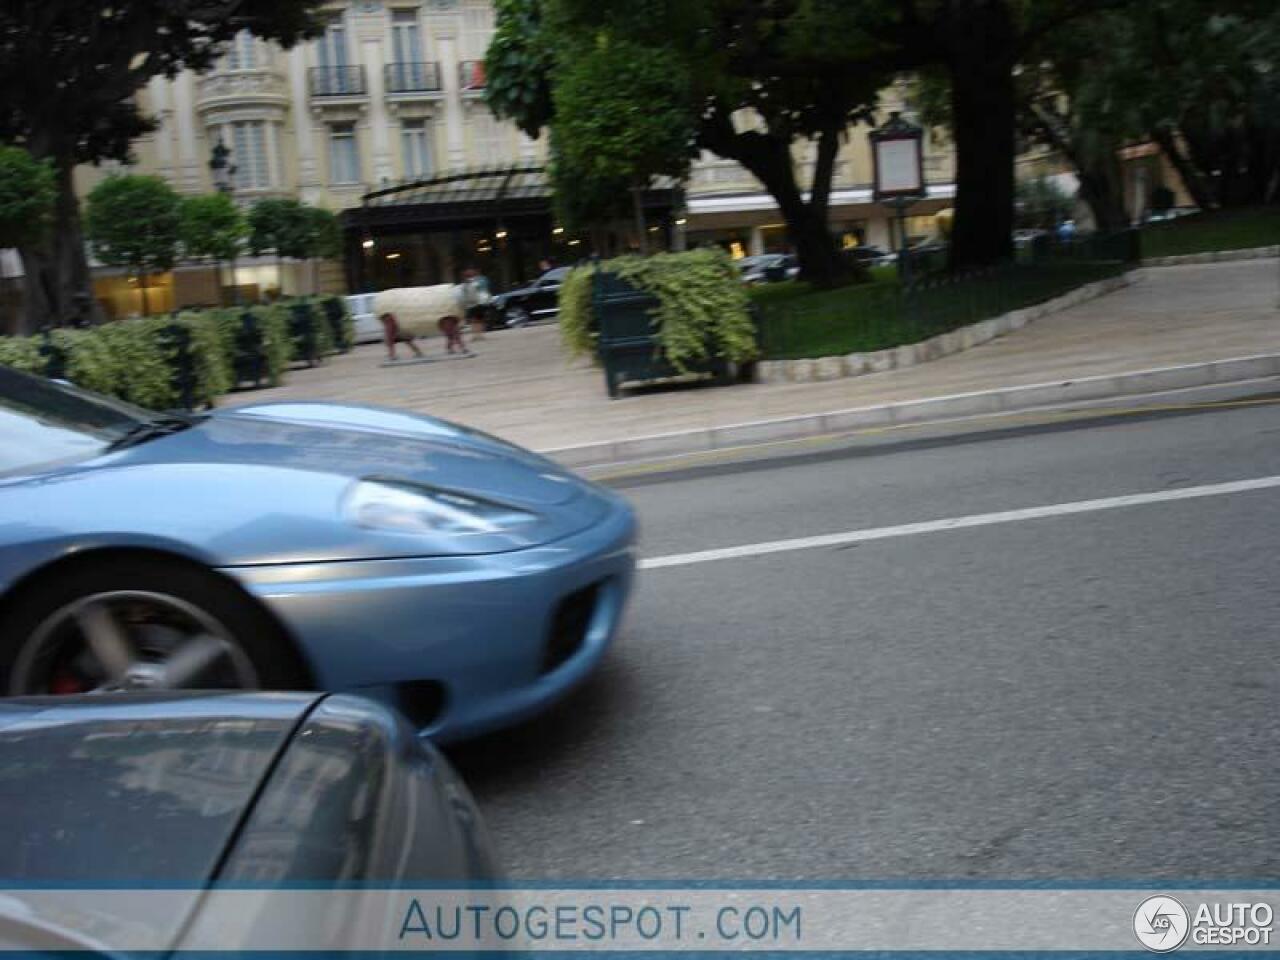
[898,162]
[223,178]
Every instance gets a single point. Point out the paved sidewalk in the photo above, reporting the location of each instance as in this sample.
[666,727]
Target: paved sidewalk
[521,387]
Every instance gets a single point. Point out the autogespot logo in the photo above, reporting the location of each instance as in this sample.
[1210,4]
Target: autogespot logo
[1161,924]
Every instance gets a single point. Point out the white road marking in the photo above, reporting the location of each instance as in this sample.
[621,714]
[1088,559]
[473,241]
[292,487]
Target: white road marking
[957,523]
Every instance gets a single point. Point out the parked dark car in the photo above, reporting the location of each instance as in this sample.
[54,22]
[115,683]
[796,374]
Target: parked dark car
[764,268]
[187,791]
[540,300]
[872,256]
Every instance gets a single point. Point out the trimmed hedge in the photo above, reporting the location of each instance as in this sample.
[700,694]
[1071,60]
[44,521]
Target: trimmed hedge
[189,359]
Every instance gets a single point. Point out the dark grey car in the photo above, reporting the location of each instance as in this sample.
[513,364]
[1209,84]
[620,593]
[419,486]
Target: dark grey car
[190,791]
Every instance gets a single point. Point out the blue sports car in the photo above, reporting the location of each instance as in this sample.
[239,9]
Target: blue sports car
[298,546]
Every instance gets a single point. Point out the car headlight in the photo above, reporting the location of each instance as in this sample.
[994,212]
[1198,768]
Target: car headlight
[411,508]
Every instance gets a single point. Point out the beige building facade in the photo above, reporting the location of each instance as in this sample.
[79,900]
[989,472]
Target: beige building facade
[392,93]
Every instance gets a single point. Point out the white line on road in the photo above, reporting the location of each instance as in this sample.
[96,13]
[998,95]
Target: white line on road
[957,523]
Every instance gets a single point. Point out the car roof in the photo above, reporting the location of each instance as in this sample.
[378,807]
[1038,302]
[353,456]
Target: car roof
[144,788]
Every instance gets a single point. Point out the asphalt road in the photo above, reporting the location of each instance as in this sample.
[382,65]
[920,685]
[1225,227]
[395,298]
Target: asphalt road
[1091,696]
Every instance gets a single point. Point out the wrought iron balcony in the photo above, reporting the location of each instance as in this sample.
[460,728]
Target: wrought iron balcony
[338,81]
[471,75]
[412,76]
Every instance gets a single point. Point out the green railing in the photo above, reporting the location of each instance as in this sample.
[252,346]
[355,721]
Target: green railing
[877,316]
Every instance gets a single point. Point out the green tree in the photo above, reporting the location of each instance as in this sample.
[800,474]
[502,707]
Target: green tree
[278,225]
[708,52]
[134,222]
[28,192]
[70,72]
[806,69]
[211,227]
[322,240]
[1202,81]
[624,120]
[27,197]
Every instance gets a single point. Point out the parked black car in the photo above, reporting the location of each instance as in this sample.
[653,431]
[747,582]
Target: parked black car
[186,791]
[540,300]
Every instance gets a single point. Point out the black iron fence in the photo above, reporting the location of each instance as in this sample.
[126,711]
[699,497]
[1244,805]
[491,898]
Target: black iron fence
[337,81]
[886,313]
[412,77]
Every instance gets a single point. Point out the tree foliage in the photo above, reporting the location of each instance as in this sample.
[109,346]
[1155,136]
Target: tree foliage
[673,70]
[292,230]
[211,226]
[134,221]
[278,225]
[27,194]
[70,72]
[322,233]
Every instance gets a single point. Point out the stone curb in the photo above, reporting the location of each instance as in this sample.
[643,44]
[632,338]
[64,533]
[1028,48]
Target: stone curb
[909,354]
[919,411]
[1214,256]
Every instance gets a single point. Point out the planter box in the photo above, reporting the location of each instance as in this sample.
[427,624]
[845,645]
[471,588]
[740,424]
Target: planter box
[628,349]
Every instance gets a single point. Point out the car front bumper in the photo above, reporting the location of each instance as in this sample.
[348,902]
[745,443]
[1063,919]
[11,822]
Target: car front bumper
[496,637]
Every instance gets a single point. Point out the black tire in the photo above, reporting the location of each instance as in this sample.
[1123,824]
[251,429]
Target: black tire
[274,659]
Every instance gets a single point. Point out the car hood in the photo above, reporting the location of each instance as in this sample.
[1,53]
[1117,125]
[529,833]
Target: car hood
[136,790]
[265,483]
[357,441]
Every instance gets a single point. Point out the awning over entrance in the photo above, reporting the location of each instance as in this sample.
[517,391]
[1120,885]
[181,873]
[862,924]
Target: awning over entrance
[500,219]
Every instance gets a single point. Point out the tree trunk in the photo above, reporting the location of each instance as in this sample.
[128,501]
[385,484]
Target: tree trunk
[142,288]
[1192,179]
[981,53]
[1102,190]
[642,233]
[807,227]
[39,289]
[769,160]
[1098,169]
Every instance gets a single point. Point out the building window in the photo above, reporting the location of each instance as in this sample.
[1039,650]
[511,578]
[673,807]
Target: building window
[415,136]
[243,52]
[406,38]
[332,45]
[249,154]
[344,158]
[488,140]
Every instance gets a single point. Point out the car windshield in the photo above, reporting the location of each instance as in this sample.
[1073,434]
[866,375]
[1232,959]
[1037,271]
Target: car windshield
[42,421]
[553,276]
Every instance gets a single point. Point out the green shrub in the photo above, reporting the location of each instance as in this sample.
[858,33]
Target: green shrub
[575,312]
[209,357]
[146,375]
[259,351]
[21,353]
[309,334]
[159,363]
[703,310]
[87,361]
[342,327]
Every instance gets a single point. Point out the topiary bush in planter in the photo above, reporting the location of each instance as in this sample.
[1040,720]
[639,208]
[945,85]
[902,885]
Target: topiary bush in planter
[309,333]
[255,342]
[698,314]
[342,328]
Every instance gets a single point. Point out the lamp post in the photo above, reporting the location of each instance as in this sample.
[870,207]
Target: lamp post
[223,179]
[898,162]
